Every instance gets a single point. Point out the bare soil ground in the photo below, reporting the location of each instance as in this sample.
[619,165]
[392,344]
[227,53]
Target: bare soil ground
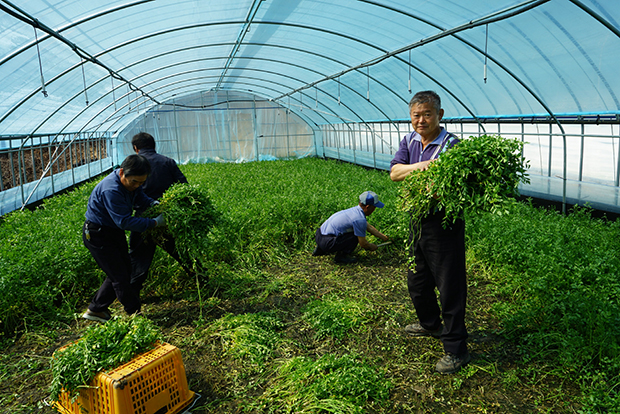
[498,379]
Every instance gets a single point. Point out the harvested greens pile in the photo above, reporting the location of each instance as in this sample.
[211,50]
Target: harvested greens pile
[480,173]
[103,347]
[190,217]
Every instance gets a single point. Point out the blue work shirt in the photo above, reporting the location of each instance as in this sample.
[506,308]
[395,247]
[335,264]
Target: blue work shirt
[410,150]
[111,204]
[346,221]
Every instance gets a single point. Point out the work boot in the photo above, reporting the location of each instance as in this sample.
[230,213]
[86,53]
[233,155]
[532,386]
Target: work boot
[102,317]
[451,363]
[343,258]
[318,252]
[416,329]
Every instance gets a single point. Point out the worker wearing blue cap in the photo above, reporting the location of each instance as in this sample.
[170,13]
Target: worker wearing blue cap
[344,230]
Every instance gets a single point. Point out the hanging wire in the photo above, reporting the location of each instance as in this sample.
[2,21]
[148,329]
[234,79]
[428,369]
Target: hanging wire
[486,44]
[301,101]
[113,95]
[338,90]
[36,38]
[409,70]
[129,96]
[316,97]
[368,87]
[84,79]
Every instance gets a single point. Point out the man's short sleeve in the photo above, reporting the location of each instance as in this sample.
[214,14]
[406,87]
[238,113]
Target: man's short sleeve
[359,227]
[402,155]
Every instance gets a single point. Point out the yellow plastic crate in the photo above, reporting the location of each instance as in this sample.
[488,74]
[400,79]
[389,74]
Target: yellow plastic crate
[152,383]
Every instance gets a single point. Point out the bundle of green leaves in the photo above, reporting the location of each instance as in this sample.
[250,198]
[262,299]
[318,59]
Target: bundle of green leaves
[190,217]
[101,348]
[480,173]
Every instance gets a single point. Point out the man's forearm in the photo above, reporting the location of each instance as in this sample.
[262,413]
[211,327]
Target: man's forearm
[376,232]
[366,245]
[400,171]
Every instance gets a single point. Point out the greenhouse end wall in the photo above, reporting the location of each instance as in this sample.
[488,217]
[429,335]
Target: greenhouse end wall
[222,127]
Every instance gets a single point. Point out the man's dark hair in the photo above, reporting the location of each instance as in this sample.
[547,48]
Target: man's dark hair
[135,165]
[143,140]
[426,97]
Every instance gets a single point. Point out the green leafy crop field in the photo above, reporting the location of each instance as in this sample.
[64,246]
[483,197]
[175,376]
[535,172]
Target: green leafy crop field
[268,328]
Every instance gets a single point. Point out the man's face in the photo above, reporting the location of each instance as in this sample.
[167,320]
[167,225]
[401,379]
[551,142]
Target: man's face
[425,120]
[131,182]
[368,210]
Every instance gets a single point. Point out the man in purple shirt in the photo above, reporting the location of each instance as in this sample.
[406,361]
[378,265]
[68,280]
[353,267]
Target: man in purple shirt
[439,251]
[108,215]
[343,230]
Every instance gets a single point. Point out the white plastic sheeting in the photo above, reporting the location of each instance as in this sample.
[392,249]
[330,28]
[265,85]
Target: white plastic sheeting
[70,66]
[222,127]
[104,61]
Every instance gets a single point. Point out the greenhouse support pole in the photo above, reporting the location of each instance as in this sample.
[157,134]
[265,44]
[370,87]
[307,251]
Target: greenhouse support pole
[581,153]
[229,123]
[550,149]
[374,148]
[89,156]
[564,166]
[21,164]
[176,126]
[71,161]
[49,154]
[1,179]
[288,132]
[34,167]
[618,158]
[337,138]
[13,164]
[255,127]
[353,146]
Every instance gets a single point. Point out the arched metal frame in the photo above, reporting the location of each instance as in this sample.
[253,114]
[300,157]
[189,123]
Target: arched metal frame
[148,94]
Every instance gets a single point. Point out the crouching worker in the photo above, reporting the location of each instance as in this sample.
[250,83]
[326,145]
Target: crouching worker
[342,232]
[109,214]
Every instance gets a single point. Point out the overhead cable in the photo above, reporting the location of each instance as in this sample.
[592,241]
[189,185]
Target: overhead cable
[28,19]
[491,18]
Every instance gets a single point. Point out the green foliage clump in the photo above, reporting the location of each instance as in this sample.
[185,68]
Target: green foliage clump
[102,347]
[480,173]
[345,384]
[252,338]
[336,317]
[190,217]
[558,277]
[45,270]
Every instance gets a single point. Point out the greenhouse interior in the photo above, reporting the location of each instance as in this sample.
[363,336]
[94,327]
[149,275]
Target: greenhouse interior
[291,79]
[254,83]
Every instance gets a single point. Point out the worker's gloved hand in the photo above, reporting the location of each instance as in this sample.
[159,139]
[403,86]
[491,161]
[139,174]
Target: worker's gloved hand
[160,220]
[154,203]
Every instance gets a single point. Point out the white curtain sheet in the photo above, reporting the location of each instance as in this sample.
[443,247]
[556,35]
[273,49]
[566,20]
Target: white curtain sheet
[222,127]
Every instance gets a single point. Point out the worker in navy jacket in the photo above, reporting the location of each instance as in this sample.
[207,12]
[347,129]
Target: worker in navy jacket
[164,173]
[109,214]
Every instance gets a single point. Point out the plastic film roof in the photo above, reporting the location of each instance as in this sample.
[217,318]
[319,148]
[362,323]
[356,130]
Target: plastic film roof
[75,65]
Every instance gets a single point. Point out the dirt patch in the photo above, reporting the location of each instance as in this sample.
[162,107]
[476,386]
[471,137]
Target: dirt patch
[497,380]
